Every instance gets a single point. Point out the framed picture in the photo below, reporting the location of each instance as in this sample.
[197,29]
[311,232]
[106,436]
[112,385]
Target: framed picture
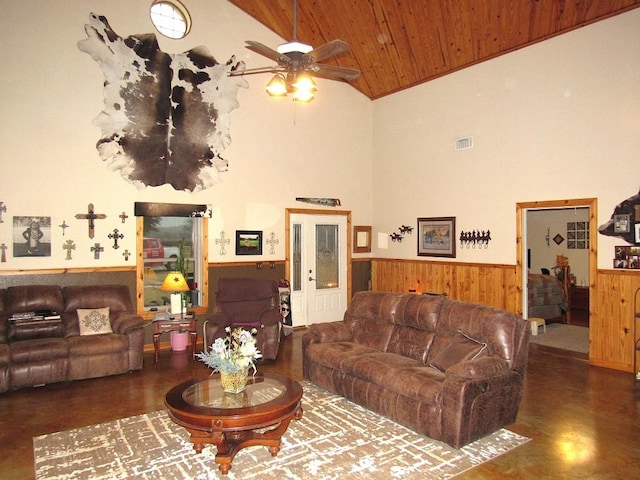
[437,237]
[636,228]
[622,223]
[361,239]
[248,242]
[31,236]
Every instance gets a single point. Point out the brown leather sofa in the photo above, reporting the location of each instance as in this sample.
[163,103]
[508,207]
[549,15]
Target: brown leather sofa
[449,370]
[247,303]
[54,351]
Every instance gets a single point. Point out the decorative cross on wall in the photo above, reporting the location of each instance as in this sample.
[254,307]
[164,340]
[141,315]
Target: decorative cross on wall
[91,216]
[126,254]
[222,241]
[115,236]
[3,247]
[123,216]
[68,246]
[272,242]
[96,249]
[3,208]
[63,226]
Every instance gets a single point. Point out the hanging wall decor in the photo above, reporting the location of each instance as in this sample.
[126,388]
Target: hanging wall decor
[622,222]
[437,237]
[69,245]
[475,238]
[402,231]
[166,117]
[32,236]
[91,216]
[325,202]
[272,241]
[223,241]
[3,209]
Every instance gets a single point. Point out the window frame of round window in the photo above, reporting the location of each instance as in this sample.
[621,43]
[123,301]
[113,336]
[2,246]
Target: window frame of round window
[178,12]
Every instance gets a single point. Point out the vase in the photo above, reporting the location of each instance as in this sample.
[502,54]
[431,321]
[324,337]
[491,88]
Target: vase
[234,382]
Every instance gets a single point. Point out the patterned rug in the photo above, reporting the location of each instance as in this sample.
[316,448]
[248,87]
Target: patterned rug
[335,439]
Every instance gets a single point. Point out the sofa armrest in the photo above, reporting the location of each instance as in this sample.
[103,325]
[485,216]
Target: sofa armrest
[123,323]
[485,367]
[328,332]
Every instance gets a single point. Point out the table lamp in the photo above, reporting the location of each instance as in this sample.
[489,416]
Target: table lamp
[175,282]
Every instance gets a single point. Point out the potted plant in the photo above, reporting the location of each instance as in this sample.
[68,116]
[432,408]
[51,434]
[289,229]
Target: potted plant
[233,356]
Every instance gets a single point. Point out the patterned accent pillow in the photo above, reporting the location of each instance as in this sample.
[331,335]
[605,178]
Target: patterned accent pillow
[94,321]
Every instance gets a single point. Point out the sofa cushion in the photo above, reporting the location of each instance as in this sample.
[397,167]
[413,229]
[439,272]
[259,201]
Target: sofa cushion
[333,355]
[94,321]
[94,345]
[30,298]
[38,350]
[410,342]
[40,328]
[461,348]
[116,297]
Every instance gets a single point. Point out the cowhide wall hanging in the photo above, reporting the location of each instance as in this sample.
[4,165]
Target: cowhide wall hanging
[166,117]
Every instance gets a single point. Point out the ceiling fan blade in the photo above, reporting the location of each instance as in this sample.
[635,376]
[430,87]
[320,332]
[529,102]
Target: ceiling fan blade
[330,49]
[251,71]
[266,51]
[332,72]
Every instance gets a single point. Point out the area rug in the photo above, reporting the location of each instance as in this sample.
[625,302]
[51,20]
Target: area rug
[564,337]
[335,439]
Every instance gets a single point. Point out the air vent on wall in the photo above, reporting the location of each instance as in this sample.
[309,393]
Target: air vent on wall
[464,143]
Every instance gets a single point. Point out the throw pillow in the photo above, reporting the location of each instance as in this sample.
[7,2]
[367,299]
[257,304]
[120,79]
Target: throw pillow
[461,348]
[94,321]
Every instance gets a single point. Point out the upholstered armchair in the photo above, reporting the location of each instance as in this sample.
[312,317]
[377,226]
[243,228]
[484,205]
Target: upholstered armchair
[247,303]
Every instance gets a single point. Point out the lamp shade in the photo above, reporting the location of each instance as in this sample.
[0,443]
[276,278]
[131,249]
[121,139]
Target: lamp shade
[174,282]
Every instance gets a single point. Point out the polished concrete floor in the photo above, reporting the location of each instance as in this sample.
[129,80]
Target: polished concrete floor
[583,421]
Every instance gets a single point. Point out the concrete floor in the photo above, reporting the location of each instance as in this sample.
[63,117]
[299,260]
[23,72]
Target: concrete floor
[584,421]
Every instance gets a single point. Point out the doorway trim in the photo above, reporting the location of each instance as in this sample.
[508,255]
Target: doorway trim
[287,239]
[592,204]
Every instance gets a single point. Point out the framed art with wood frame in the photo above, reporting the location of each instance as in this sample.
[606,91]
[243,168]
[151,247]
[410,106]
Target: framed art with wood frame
[361,239]
[437,237]
[248,242]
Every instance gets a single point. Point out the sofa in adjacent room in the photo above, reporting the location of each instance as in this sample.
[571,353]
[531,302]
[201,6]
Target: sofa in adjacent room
[75,332]
[450,370]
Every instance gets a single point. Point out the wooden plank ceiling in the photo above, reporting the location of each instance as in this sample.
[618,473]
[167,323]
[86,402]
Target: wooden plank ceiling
[397,44]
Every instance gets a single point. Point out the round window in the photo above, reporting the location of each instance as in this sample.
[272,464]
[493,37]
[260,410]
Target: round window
[171,18]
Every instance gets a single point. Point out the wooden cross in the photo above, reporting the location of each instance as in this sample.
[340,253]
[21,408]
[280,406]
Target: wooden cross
[115,236]
[63,226]
[272,242]
[123,216]
[222,241]
[96,249]
[3,247]
[3,208]
[91,216]
[126,254]
[68,246]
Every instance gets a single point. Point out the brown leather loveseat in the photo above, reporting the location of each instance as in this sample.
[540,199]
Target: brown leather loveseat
[97,334]
[450,370]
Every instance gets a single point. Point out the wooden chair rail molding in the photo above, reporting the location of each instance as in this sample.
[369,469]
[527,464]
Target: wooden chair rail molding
[611,313]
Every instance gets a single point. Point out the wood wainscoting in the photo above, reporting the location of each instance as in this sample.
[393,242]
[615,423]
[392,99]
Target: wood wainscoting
[611,313]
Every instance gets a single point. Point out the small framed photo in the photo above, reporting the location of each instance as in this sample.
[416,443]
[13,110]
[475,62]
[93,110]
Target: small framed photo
[248,242]
[437,237]
[622,223]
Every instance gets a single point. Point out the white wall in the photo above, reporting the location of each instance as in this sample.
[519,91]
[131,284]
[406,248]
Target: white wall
[557,120]
[50,92]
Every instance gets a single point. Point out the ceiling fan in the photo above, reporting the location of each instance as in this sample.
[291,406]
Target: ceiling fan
[297,63]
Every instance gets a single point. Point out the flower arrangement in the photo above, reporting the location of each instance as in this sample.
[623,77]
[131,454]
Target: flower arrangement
[235,353]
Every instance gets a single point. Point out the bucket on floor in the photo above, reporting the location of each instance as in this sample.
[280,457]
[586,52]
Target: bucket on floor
[179,341]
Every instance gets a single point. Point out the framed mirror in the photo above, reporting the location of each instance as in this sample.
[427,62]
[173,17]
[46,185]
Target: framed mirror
[361,239]
[170,238]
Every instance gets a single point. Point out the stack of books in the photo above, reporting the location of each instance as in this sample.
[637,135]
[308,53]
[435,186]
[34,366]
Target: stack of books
[40,316]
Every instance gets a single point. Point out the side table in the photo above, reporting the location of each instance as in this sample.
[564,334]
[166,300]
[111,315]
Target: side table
[173,324]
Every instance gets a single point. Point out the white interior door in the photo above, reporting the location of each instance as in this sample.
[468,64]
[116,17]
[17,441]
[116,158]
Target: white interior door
[318,268]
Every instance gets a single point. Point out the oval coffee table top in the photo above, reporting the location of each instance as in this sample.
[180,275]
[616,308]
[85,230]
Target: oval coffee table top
[202,403]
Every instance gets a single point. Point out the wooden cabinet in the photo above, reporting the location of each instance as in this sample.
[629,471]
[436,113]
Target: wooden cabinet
[579,298]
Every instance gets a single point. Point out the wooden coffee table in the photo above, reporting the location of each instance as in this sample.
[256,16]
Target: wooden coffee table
[232,421]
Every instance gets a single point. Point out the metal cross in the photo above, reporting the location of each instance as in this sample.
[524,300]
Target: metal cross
[123,216]
[3,247]
[3,208]
[126,254]
[68,246]
[63,226]
[222,241]
[115,236]
[96,249]
[91,216]
[272,242]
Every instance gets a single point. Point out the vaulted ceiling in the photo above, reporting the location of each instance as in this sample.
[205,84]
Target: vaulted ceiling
[398,44]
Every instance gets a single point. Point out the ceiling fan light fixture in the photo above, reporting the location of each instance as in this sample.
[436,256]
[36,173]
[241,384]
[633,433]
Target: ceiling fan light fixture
[304,88]
[293,46]
[277,87]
